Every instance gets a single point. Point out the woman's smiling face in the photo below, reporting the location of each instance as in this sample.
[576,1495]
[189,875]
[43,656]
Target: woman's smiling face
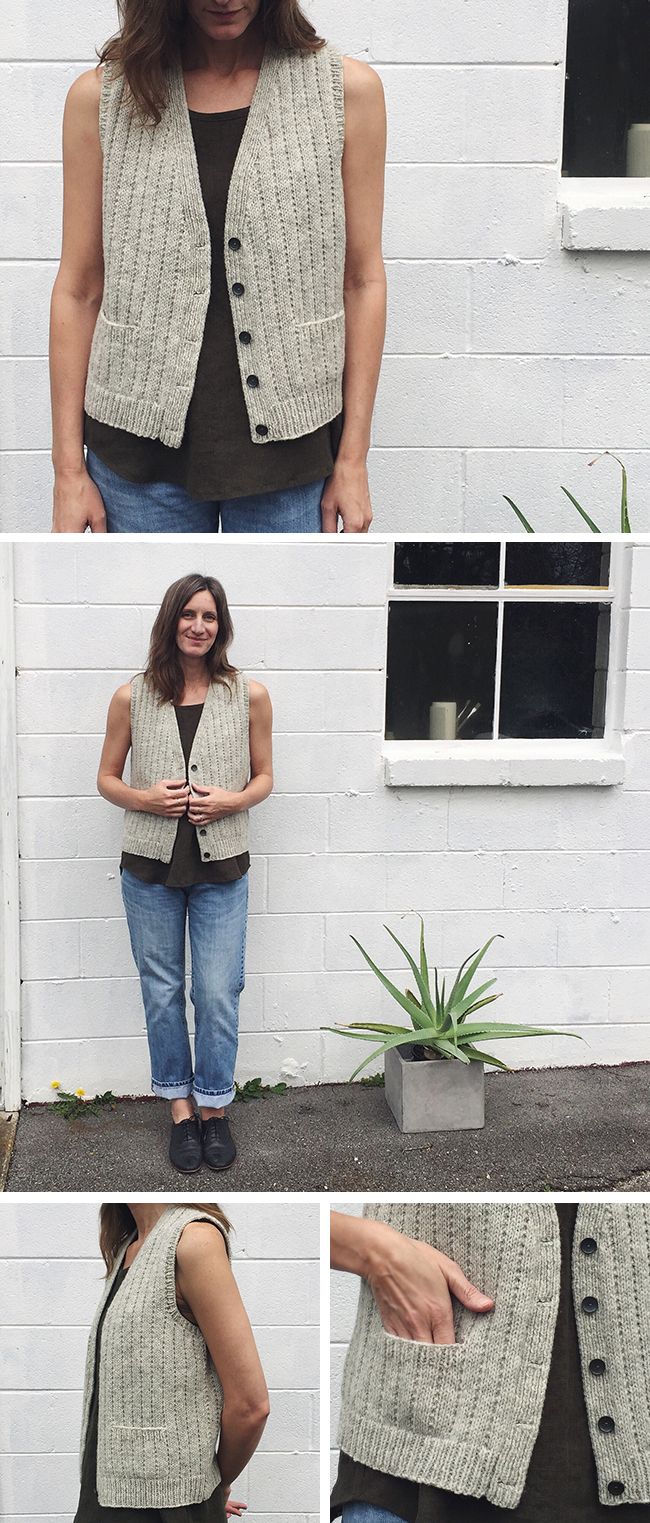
[223,19]
[197,626]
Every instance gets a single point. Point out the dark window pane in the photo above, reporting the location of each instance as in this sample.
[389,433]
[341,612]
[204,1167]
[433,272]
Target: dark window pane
[607,84]
[567,565]
[455,565]
[554,670]
[440,654]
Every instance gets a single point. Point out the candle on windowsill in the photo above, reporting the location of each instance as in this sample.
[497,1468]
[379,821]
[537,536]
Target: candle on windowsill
[638,150]
[442,721]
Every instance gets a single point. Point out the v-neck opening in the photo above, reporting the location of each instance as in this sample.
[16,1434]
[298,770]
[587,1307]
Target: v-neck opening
[256,112]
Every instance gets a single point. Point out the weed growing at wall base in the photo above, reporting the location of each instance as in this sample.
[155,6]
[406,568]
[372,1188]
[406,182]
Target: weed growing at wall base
[72,1106]
[254,1089]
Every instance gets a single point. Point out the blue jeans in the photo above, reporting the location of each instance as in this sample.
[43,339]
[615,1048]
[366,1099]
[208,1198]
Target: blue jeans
[216,914]
[364,1512]
[159,507]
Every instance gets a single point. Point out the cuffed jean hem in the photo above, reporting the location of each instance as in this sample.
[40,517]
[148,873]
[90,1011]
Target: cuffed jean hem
[214,1101]
[172,1091]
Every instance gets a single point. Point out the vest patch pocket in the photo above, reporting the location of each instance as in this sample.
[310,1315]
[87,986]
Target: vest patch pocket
[141,1453]
[112,356]
[321,350]
[418,1383]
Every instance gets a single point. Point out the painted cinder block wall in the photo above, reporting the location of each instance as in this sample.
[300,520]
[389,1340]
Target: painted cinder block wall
[562,872]
[50,1282]
[509,360]
[344,1294]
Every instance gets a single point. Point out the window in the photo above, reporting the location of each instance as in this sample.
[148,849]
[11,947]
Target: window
[499,649]
[607,100]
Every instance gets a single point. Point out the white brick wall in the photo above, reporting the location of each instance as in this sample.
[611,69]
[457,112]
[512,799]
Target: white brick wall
[344,1294]
[50,1282]
[563,873]
[509,361]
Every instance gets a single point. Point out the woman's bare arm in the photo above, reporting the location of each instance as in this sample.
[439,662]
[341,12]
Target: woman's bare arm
[411,1282]
[205,1282]
[346,494]
[167,798]
[76,299]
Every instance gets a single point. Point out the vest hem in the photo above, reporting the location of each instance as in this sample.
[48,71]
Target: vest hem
[293,419]
[150,1494]
[285,421]
[432,1461]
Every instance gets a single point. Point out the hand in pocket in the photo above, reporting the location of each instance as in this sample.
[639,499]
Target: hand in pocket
[413,1284]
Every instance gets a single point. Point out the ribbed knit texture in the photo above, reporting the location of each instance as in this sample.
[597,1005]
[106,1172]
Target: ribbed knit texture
[160,1398]
[286,209]
[219,758]
[465,1417]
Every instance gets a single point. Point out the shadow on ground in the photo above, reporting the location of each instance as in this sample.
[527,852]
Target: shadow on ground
[552,1129]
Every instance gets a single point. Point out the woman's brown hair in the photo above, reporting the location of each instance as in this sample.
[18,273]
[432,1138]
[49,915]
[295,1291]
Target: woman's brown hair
[150,39]
[117,1223]
[164,671]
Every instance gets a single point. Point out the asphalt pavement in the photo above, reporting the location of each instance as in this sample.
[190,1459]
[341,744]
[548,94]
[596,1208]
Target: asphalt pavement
[558,1129]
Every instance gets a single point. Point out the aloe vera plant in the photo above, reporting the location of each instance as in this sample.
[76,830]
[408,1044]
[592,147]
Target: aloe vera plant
[625,526]
[439,1019]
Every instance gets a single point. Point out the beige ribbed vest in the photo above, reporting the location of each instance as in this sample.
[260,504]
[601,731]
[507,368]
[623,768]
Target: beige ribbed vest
[219,758]
[465,1417]
[160,1398]
[284,251]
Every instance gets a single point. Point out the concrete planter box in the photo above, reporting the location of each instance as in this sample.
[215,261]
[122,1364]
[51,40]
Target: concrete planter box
[434,1095]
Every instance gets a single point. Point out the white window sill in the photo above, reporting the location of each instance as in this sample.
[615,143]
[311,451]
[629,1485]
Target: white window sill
[502,764]
[605,213]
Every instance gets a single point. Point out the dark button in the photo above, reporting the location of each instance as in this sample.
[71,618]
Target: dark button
[589,1305]
[234,243]
[261,429]
[238,289]
[589,1245]
[203,832]
[606,1424]
[245,338]
[252,380]
[616,1488]
[597,1366]
[206,856]
[194,767]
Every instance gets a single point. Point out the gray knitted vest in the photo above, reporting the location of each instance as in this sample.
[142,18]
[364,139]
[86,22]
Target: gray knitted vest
[160,1398]
[465,1417]
[219,758]
[284,251]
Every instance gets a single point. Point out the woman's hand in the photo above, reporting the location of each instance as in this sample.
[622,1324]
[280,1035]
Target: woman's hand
[233,1509]
[168,798]
[413,1287]
[209,804]
[77,504]
[412,1283]
[346,496]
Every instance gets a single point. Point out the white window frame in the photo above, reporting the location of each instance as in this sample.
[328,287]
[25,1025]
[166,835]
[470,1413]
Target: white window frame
[493,763]
[609,212]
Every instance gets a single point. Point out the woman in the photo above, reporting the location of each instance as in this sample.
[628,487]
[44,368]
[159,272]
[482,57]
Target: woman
[172,1372]
[220,303]
[200,740]
[466,1400]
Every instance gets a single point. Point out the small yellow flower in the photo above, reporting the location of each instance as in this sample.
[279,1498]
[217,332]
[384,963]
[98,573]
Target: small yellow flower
[55,1084]
[80,1092]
